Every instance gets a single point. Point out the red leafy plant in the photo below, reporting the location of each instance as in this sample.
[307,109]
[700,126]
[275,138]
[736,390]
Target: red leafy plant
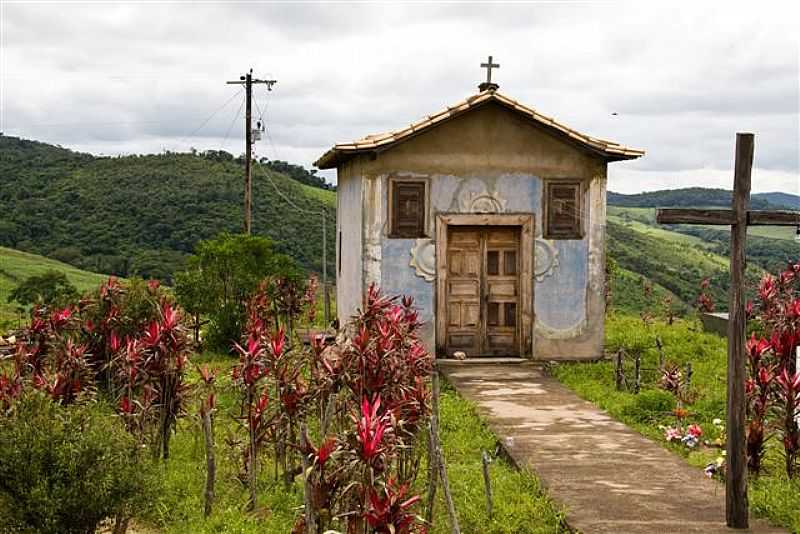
[705,301]
[773,385]
[127,341]
[364,395]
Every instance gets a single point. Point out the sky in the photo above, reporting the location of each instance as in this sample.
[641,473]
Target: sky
[677,79]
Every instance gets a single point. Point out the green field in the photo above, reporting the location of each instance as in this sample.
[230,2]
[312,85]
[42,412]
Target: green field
[16,266]
[521,506]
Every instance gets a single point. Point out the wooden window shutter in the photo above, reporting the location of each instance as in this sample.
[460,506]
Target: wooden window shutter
[563,216]
[408,209]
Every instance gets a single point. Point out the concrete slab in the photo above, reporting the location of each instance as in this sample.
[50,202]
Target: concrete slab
[609,477]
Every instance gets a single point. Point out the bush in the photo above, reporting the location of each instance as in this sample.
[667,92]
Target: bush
[65,469]
[223,275]
[51,289]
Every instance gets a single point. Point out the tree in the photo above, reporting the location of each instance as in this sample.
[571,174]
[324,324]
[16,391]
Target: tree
[50,289]
[194,298]
[223,274]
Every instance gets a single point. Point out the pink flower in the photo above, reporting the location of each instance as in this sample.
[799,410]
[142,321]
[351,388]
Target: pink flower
[694,431]
[673,434]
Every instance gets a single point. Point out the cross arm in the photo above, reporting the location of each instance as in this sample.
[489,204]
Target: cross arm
[723,217]
[694,216]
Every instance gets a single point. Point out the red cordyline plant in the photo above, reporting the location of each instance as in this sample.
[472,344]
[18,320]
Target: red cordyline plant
[758,389]
[49,357]
[128,341]
[705,302]
[147,375]
[364,395]
[774,383]
[388,511]
[249,375]
[379,376]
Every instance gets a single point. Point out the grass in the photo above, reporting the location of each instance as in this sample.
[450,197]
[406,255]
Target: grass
[628,295]
[519,503]
[643,220]
[16,266]
[772,496]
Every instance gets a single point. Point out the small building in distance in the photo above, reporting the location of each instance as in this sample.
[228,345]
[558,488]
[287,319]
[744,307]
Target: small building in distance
[492,216]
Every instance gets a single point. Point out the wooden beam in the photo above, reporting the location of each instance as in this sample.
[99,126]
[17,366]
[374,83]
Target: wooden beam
[773,218]
[723,217]
[694,216]
[736,505]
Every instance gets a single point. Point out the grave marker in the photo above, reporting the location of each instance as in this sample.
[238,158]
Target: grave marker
[739,217]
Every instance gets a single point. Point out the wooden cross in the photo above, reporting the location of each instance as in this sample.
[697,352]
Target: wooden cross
[489,66]
[738,218]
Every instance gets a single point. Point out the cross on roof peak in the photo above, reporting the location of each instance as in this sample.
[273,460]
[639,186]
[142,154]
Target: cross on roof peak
[488,85]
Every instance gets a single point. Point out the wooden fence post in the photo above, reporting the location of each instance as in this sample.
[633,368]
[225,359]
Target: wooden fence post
[619,371]
[688,376]
[211,462]
[487,483]
[661,357]
[310,513]
[637,385]
[448,497]
[433,474]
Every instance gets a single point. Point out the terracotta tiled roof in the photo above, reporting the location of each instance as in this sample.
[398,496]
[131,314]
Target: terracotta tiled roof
[343,151]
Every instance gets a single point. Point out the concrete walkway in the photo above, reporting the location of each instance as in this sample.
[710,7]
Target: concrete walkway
[609,477]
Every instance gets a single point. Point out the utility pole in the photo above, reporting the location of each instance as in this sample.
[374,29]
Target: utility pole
[247,80]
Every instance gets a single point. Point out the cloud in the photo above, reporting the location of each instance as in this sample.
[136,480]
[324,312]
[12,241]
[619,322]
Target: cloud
[122,78]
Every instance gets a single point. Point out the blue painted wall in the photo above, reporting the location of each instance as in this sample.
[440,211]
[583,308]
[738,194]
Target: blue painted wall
[559,298]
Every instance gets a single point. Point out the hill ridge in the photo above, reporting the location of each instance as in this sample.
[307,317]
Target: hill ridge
[143,214]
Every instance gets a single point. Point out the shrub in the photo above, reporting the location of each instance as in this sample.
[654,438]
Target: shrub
[222,276]
[127,340]
[50,289]
[65,469]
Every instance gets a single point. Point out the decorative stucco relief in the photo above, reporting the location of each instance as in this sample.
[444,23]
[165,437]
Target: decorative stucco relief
[545,259]
[560,333]
[482,202]
[423,259]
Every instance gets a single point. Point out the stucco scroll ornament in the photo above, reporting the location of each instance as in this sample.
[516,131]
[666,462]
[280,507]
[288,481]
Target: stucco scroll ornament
[423,259]
[482,202]
[545,259]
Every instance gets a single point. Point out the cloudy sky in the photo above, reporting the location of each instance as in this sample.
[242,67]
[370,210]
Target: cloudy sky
[681,78]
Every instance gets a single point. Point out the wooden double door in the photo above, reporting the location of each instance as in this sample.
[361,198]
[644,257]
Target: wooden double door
[483,290]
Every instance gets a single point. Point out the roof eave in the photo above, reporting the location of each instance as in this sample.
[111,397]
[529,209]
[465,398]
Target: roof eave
[334,156]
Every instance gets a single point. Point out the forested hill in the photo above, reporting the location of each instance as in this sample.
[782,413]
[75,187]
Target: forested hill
[144,214]
[701,197]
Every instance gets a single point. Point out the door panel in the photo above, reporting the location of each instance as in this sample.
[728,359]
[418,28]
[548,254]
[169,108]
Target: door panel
[501,290]
[463,290]
[483,290]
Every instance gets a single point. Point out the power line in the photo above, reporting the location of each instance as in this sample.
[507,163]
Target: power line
[230,126]
[223,106]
